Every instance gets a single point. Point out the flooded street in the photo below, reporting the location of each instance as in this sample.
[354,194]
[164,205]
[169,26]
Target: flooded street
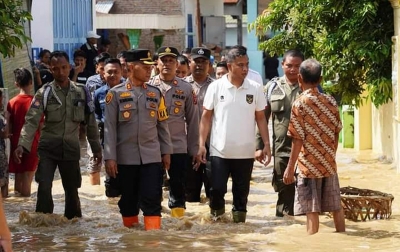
[101,228]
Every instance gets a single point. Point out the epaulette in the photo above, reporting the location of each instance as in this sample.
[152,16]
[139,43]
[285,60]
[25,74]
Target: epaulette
[118,85]
[159,90]
[209,80]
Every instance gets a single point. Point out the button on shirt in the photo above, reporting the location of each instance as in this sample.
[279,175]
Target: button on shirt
[233,122]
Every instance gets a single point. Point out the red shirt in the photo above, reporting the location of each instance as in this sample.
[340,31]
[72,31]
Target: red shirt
[18,107]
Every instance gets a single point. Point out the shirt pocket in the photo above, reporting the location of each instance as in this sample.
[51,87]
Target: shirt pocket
[79,110]
[277,104]
[53,113]
[177,107]
[152,111]
[126,110]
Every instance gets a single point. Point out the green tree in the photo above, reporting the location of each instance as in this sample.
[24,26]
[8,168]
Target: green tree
[351,38]
[12,34]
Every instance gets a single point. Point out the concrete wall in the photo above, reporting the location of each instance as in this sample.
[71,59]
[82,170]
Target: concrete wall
[42,24]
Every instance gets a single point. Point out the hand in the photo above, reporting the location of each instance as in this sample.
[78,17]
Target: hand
[35,71]
[79,68]
[166,160]
[7,116]
[111,168]
[288,176]
[267,154]
[259,156]
[201,155]
[97,157]
[18,154]
[5,243]
[195,163]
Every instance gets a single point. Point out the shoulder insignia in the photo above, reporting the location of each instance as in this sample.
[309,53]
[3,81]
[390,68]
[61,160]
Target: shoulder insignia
[128,86]
[109,97]
[35,103]
[194,97]
[125,94]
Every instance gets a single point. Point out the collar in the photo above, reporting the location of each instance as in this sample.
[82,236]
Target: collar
[71,86]
[245,84]
[311,91]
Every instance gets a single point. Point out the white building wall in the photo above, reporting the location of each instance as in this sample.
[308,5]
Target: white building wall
[231,36]
[42,24]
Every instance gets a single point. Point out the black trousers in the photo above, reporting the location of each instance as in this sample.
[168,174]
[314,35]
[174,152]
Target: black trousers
[195,180]
[285,202]
[240,171]
[71,180]
[140,187]
[177,181]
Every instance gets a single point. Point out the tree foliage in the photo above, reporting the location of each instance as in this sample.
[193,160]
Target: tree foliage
[351,39]
[12,18]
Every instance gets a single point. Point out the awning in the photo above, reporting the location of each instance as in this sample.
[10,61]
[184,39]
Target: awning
[104,6]
[139,21]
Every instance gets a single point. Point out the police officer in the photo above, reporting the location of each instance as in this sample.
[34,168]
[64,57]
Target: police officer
[137,143]
[183,123]
[281,93]
[112,76]
[199,79]
[65,106]
[93,83]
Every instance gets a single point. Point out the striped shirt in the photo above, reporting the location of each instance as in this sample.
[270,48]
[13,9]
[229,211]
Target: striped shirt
[315,120]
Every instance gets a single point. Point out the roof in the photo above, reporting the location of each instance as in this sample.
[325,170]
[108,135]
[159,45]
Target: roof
[230,20]
[104,6]
[230,1]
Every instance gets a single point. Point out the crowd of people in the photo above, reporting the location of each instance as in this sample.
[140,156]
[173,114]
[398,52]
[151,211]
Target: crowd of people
[164,115]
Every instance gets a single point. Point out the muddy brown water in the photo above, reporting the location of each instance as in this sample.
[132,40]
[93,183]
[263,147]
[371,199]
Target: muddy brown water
[101,228]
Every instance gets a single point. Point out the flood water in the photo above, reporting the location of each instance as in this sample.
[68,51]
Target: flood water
[101,228]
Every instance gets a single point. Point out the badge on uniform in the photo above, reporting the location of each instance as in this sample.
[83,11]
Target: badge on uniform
[125,94]
[126,114]
[152,113]
[194,97]
[109,97]
[175,82]
[153,105]
[129,86]
[249,98]
[151,94]
[179,91]
[178,103]
[35,103]
[176,110]
[127,106]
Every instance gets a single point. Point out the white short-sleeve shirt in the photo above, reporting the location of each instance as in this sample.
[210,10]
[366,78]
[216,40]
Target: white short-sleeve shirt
[233,122]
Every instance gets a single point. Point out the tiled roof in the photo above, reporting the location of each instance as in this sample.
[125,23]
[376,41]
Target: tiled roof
[230,20]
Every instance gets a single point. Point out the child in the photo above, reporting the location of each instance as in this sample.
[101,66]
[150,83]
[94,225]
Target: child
[3,157]
[18,107]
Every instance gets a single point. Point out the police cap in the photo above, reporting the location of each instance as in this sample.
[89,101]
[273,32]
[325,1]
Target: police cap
[202,52]
[167,51]
[142,55]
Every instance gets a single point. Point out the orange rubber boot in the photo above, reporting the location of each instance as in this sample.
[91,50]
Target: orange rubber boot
[152,222]
[130,221]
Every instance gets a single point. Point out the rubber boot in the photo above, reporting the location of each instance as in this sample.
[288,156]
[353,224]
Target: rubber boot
[177,212]
[130,221]
[238,216]
[218,212]
[152,222]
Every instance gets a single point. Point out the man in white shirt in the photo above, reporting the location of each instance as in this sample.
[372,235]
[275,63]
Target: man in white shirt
[233,104]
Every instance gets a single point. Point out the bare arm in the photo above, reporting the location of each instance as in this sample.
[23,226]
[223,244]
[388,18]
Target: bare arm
[5,235]
[205,126]
[288,176]
[264,133]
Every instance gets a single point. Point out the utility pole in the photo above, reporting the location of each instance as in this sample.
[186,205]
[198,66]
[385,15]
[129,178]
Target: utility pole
[198,23]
